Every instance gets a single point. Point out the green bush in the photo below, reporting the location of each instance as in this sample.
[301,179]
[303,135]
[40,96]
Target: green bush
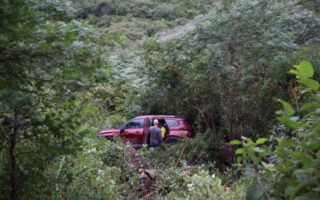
[85,175]
[203,185]
[100,171]
[293,171]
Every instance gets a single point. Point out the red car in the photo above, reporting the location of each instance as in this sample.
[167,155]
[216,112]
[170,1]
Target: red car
[136,131]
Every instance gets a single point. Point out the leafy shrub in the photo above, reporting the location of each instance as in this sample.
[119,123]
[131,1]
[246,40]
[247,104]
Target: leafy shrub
[202,185]
[194,151]
[100,171]
[85,175]
[293,172]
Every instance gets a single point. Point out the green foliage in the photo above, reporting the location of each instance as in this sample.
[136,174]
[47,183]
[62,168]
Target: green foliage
[115,121]
[229,65]
[101,171]
[301,161]
[293,173]
[250,150]
[84,175]
[202,185]
[62,80]
[193,151]
[310,4]
[139,18]
[59,10]
[46,68]
[289,111]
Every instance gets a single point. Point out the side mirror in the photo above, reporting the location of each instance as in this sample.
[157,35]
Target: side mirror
[122,130]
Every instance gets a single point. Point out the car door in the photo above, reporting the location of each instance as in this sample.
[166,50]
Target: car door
[146,131]
[133,131]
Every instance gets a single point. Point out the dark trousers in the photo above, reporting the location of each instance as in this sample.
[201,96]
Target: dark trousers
[154,145]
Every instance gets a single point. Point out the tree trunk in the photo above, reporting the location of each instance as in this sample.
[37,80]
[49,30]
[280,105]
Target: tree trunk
[12,154]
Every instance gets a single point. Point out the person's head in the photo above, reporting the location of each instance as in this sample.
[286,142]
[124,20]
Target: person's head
[160,124]
[156,122]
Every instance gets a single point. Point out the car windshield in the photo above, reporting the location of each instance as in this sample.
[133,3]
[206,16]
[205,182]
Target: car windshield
[132,124]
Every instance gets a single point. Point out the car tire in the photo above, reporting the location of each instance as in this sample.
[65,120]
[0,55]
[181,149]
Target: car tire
[171,140]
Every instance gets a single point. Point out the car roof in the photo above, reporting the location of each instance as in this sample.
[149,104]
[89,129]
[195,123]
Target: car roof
[159,116]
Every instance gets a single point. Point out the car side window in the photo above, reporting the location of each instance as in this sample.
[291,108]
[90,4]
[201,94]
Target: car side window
[135,123]
[172,122]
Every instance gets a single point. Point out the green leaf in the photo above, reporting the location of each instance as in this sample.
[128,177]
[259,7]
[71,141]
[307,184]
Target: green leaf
[310,83]
[253,193]
[278,139]
[310,106]
[235,142]
[249,173]
[292,190]
[306,159]
[302,175]
[287,143]
[287,108]
[240,151]
[261,140]
[292,71]
[312,146]
[305,70]
[288,122]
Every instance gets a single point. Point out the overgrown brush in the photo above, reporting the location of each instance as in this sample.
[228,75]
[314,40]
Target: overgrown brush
[290,169]
[102,171]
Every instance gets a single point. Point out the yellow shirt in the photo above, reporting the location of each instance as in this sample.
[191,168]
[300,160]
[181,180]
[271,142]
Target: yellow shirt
[163,132]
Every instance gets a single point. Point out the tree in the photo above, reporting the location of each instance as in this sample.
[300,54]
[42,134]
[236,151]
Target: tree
[46,68]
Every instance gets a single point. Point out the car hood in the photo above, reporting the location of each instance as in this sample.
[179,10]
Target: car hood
[109,132]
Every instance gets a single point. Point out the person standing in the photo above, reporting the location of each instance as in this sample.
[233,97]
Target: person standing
[155,134]
[163,130]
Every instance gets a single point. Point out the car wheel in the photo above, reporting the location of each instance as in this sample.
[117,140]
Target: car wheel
[171,140]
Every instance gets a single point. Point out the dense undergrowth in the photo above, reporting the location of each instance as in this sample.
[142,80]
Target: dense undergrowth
[102,171]
[288,169]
